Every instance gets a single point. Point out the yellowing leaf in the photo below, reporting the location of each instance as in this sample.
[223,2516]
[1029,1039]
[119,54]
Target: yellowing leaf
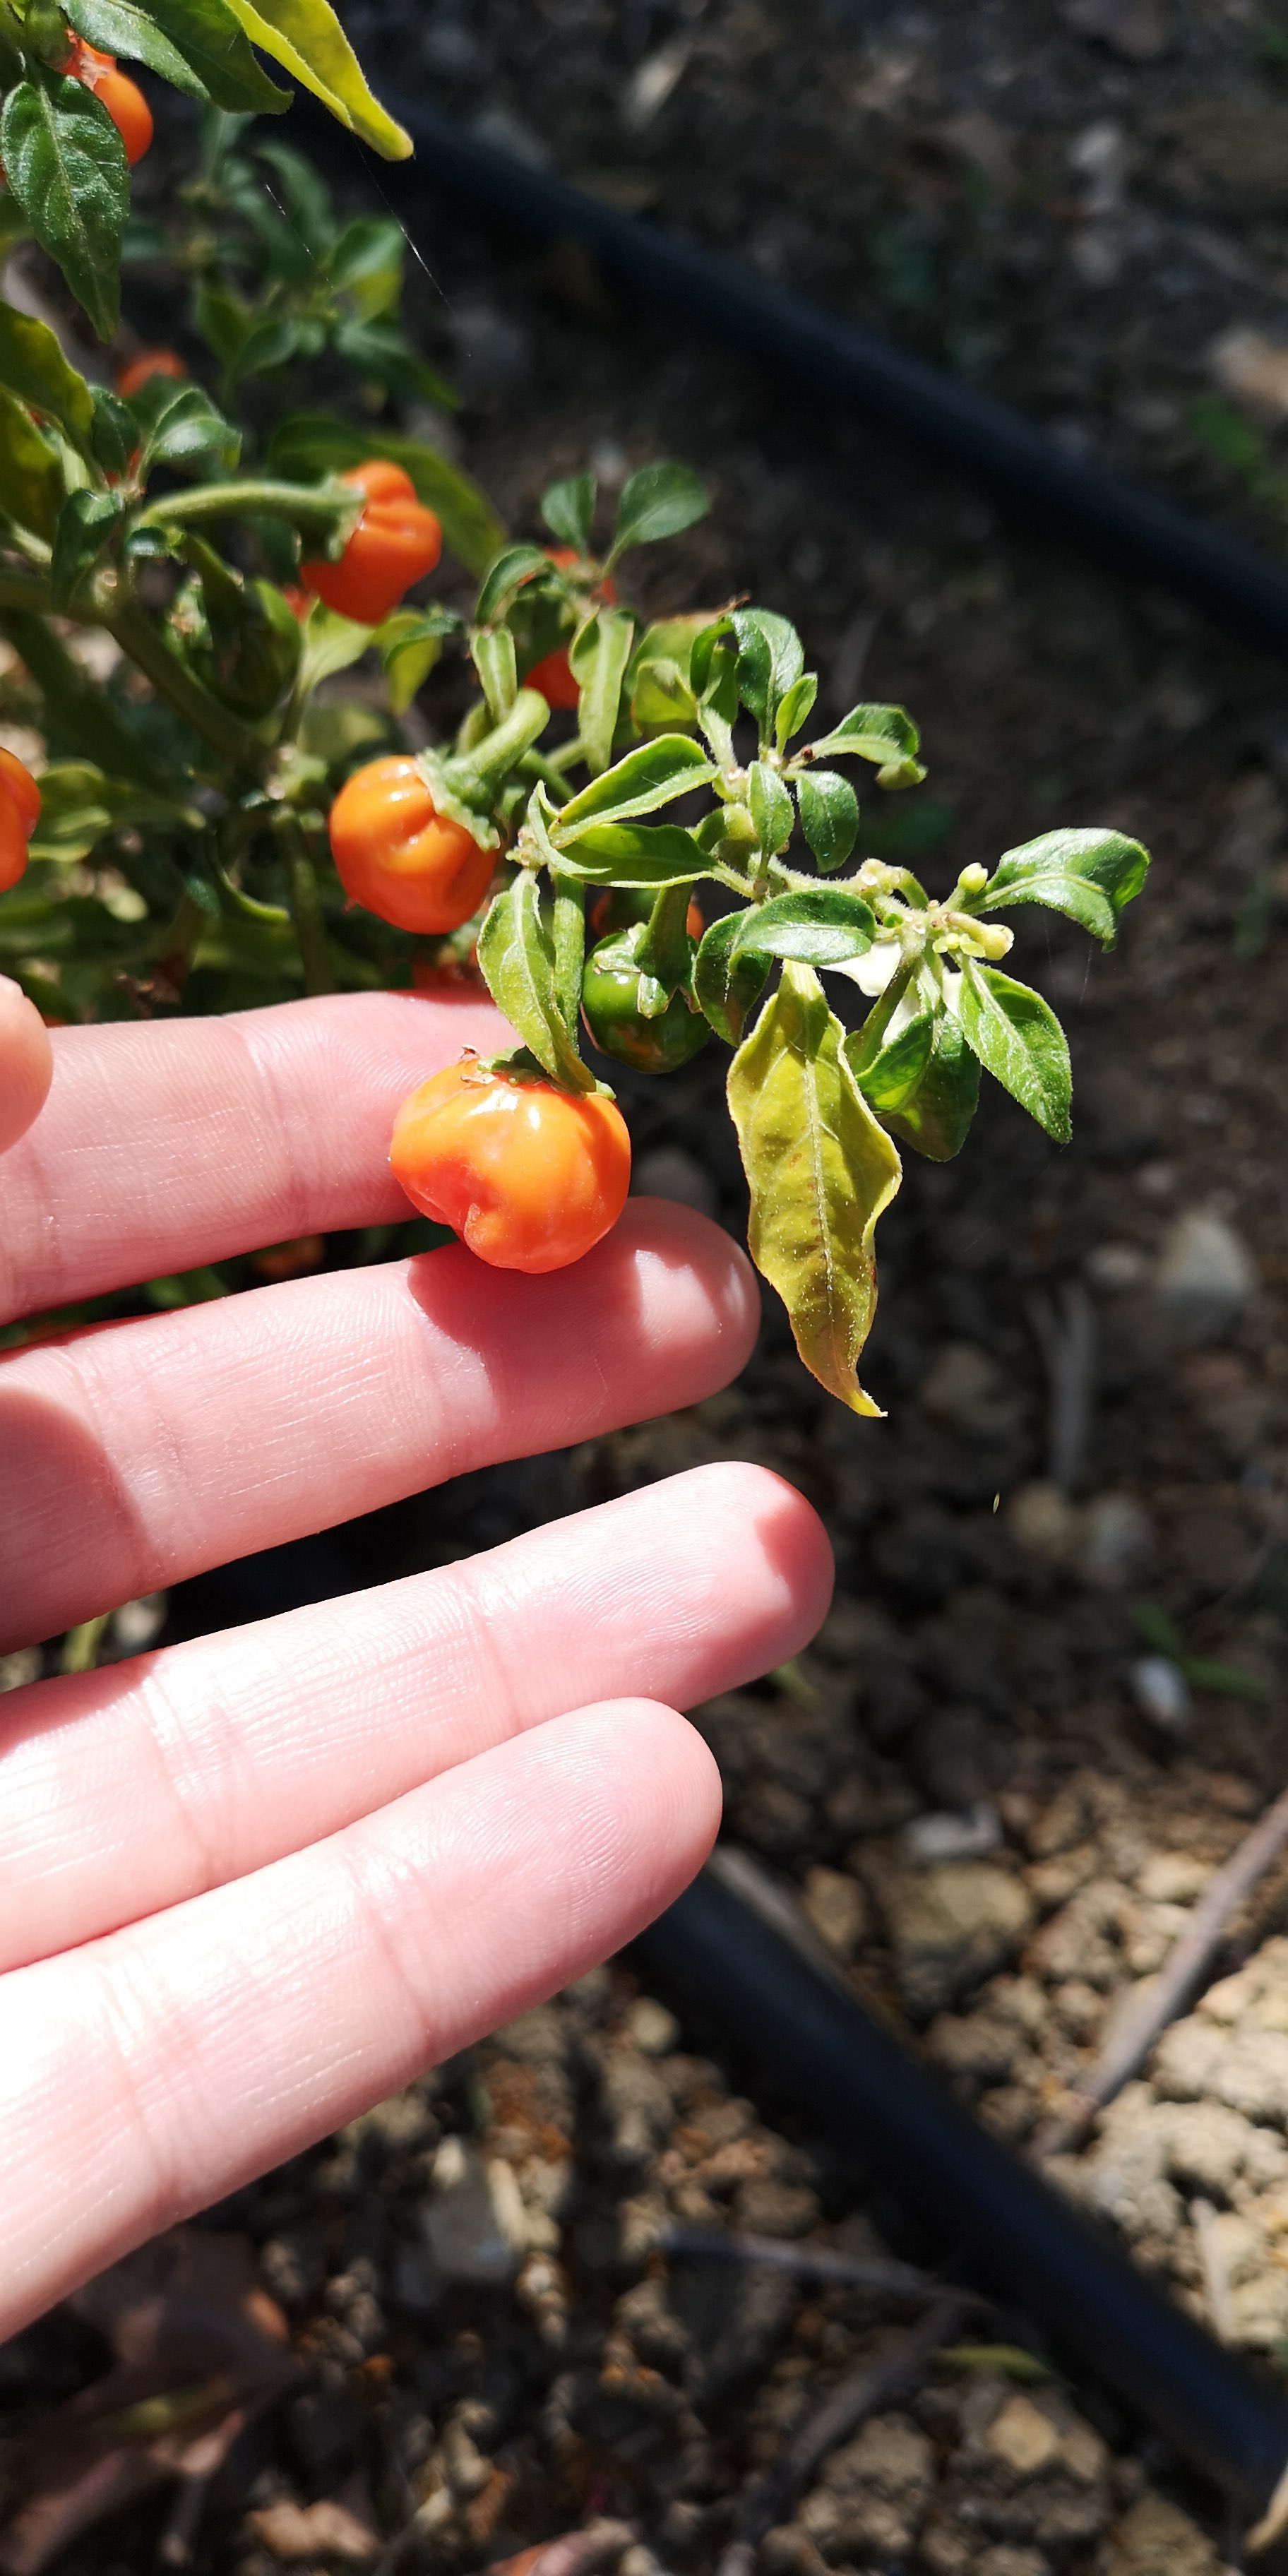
[307,39]
[820,1171]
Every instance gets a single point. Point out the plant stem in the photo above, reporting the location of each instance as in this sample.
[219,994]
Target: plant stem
[306,908]
[664,950]
[234,741]
[21,589]
[81,1645]
[882,1012]
[303,505]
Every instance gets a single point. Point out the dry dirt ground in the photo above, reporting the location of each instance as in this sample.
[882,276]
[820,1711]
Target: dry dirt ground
[995,1809]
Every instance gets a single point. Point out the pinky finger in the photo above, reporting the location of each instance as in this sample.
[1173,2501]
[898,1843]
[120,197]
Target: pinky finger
[26,1063]
[147,2074]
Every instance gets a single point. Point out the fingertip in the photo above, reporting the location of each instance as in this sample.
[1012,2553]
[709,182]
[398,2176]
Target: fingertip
[669,1796]
[780,1547]
[663,1232]
[26,1063]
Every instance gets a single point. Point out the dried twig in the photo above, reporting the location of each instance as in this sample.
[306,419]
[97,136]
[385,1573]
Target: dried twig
[808,2262]
[1216,2276]
[1149,2012]
[768,2499]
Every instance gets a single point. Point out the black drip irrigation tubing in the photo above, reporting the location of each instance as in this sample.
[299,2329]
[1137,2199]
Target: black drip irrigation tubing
[1000,2225]
[803,349]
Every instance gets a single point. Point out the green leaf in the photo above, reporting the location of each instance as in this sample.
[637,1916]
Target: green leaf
[307,39]
[114,437]
[652,775]
[770,661]
[829,812]
[511,571]
[181,427]
[659,501]
[381,353]
[1019,1040]
[65,163]
[312,444]
[925,1082]
[795,708]
[1090,875]
[820,1171]
[207,36]
[823,928]
[87,522]
[80,803]
[516,953]
[884,735]
[366,265]
[33,367]
[654,854]
[330,643]
[409,644]
[305,195]
[494,659]
[31,485]
[771,808]
[568,509]
[599,656]
[728,977]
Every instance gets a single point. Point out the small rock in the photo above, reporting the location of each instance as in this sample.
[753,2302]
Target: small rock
[1207,2145]
[464,2231]
[1172,1878]
[1205,1276]
[22,1666]
[667,1172]
[1185,2059]
[1161,1693]
[1252,368]
[838,1909]
[1251,2075]
[137,1623]
[873,2493]
[768,2208]
[966,1390]
[326,2529]
[1005,2561]
[1157,2539]
[1139,30]
[1022,2437]
[1043,1523]
[952,1926]
[1116,1268]
[1115,1536]
[971,1836]
[655,2031]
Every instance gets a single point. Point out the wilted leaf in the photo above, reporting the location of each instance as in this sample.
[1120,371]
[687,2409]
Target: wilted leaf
[820,1171]
[1019,1040]
[599,658]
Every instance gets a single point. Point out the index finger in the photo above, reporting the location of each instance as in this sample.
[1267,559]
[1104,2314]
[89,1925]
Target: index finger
[186,1141]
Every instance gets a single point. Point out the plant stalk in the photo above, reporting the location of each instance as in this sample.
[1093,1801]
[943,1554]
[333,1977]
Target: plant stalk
[305,506]
[306,907]
[234,741]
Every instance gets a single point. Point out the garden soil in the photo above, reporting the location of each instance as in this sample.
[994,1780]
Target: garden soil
[989,1781]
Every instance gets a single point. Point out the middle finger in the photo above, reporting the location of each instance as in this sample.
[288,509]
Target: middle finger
[147,1452]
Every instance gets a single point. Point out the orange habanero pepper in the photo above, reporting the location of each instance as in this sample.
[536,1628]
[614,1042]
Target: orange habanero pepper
[530,1177]
[19,815]
[395,541]
[395,853]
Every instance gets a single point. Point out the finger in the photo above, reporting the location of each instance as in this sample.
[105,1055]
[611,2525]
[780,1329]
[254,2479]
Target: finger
[26,1065]
[149,1451]
[189,1140]
[149,2074]
[129,1790]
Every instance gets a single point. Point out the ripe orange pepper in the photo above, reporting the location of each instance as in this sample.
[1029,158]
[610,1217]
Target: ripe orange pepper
[395,853]
[19,815]
[552,675]
[530,1177]
[122,97]
[395,541]
[149,363]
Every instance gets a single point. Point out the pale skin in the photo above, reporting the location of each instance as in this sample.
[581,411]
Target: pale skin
[251,1884]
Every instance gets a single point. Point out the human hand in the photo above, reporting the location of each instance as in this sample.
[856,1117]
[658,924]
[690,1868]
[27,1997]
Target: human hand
[250,1884]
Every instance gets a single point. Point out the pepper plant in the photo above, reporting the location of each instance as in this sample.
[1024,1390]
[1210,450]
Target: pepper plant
[632,832]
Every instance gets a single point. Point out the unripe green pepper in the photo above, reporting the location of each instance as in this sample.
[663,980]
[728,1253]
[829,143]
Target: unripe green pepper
[610,1009]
